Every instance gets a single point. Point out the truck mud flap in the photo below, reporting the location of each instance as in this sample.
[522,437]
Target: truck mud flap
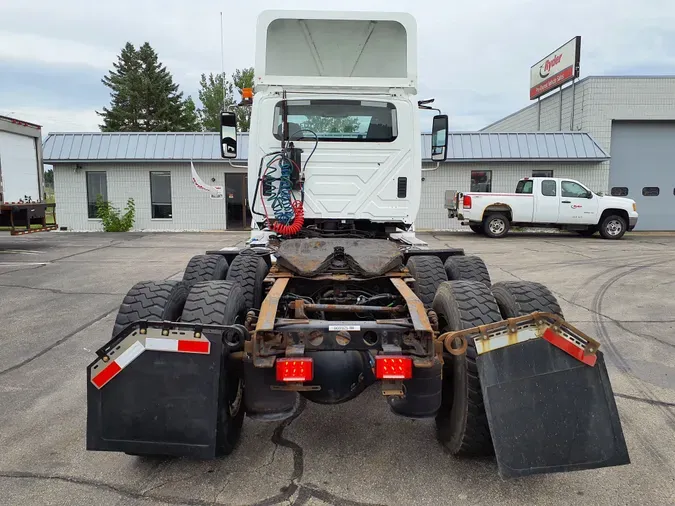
[549,411]
[156,389]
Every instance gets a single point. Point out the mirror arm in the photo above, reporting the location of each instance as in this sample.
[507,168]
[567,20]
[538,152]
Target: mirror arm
[236,166]
[438,164]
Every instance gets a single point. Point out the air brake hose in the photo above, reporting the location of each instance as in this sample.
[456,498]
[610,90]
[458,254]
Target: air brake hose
[297,223]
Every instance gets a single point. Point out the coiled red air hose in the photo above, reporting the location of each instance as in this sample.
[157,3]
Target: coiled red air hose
[294,227]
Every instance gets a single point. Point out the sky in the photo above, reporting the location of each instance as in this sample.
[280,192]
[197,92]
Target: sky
[474,56]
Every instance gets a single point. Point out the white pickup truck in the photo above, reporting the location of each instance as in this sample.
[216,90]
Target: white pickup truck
[544,203]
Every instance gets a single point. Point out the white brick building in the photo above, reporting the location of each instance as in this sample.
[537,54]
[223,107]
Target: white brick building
[154,170]
[633,119]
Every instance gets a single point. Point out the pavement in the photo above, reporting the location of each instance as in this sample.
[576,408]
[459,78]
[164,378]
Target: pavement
[59,293]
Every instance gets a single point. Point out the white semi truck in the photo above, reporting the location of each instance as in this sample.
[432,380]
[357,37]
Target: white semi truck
[328,301]
[22,197]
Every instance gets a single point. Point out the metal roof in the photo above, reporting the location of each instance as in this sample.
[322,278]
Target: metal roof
[170,146]
[537,146]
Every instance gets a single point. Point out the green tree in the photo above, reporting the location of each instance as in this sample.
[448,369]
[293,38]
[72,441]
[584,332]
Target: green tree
[214,100]
[243,78]
[49,178]
[144,97]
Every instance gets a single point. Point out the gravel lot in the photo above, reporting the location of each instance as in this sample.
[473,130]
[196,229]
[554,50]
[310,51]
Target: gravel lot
[59,293]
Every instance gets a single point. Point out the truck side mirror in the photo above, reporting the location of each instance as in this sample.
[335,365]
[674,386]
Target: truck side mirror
[228,134]
[439,138]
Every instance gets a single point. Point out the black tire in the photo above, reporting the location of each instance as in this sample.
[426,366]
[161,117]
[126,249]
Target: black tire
[222,303]
[496,225]
[249,272]
[461,422]
[468,268]
[613,227]
[153,301]
[589,232]
[205,268]
[477,229]
[429,273]
[518,298]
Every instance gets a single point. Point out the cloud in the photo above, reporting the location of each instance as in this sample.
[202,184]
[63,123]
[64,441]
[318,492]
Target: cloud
[474,57]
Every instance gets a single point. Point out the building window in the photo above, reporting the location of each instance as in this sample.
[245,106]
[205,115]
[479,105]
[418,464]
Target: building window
[97,184]
[651,191]
[542,173]
[160,194]
[481,180]
[548,188]
[619,191]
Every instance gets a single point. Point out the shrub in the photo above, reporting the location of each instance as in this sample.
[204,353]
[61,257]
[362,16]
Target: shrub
[110,215]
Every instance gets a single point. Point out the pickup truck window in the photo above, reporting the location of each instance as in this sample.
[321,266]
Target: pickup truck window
[338,120]
[524,187]
[481,181]
[548,188]
[572,189]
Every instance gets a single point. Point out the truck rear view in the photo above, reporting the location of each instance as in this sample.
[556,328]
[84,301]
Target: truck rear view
[328,301]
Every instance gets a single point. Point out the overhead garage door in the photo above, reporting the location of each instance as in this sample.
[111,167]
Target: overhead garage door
[643,168]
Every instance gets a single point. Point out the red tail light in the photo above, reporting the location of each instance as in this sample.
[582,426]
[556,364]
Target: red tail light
[295,369]
[466,202]
[393,367]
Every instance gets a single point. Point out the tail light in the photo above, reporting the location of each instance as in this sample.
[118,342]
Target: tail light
[466,202]
[393,367]
[295,369]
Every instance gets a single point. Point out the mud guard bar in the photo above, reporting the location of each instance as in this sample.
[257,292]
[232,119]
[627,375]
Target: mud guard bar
[550,408]
[157,388]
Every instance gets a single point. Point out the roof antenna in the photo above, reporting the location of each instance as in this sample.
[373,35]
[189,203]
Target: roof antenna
[222,58]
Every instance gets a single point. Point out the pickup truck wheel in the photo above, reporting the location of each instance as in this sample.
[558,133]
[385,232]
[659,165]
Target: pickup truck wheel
[429,273]
[222,303]
[613,227]
[519,298]
[477,229]
[496,225]
[461,421]
[152,301]
[249,271]
[205,268]
[469,268]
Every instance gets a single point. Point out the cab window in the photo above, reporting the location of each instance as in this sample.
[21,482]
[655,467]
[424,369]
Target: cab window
[548,188]
[524,187]
[572,189]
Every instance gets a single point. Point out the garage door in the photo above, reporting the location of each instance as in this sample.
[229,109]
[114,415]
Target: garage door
[643,168]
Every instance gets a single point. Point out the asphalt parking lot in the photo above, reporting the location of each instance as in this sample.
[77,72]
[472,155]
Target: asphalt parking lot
[58,297]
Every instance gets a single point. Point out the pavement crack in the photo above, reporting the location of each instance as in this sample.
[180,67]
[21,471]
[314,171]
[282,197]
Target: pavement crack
[652,402]
[59,342]
[57,291]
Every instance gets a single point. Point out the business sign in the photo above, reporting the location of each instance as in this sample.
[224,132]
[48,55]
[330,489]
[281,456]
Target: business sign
[561,66]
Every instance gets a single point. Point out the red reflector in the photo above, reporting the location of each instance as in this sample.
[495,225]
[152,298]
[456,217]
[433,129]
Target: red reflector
[194,346]
[106,374]
[569,347]
[393,367]
[466,202]
[295,369]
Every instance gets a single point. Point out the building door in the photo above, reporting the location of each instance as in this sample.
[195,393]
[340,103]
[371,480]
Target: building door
[642,169]
[237,213]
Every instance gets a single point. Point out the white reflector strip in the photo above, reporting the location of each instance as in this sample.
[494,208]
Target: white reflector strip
[129,354]
[157,344]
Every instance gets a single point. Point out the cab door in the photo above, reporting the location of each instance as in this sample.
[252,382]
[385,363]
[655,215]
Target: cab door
[578,205]
[547,202]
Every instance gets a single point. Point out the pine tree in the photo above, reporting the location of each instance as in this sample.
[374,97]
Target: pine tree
[124,81]
[144,95]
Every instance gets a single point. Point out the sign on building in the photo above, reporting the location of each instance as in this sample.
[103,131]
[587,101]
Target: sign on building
[559,67]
